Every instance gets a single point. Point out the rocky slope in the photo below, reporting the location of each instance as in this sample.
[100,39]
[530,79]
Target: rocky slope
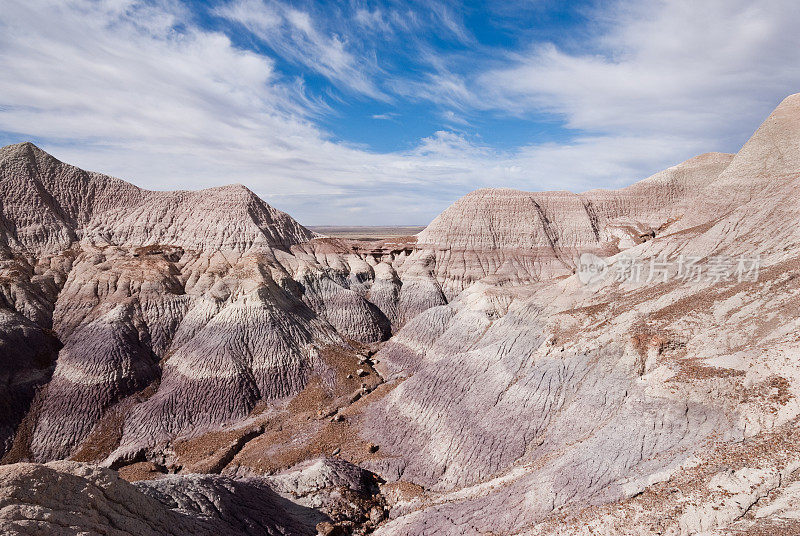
[464,381]
[69,498]
[528,236]
[665,407]
[73,498]
[199,305]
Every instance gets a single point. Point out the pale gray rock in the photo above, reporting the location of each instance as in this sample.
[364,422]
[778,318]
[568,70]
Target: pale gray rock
[522,237]
[67,498]
[339,489]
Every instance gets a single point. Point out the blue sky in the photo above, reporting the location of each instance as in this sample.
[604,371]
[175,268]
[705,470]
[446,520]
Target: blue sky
[360,113]
[401,46]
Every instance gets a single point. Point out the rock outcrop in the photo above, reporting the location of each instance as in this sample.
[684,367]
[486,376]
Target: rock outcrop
[555,407]
[529,236]
[170,312]
[464,381]
[70,498]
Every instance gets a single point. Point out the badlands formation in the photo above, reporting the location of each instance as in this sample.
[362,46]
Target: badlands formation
[200,363]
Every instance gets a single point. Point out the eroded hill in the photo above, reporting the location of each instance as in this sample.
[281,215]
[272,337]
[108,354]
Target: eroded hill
[463,381]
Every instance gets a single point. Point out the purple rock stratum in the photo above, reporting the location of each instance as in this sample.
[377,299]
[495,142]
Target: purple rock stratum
[201,363]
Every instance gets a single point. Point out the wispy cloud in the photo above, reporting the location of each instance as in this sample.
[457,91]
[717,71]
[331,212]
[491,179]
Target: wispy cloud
[446,17]
[295,35]
[707,70]
[141,90]
[387,22]
[453,118]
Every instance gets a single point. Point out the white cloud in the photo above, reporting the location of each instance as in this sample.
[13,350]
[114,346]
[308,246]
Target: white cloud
[707,71]
[453,118]
[375,20]
[294,34]
[114,86]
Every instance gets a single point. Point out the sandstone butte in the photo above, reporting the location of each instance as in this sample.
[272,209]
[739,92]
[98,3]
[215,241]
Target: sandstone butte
[200,363]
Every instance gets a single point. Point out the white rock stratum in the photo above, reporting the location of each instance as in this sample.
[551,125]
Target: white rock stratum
[490,391]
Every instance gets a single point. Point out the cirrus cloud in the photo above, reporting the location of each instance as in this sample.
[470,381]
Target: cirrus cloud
[143,90]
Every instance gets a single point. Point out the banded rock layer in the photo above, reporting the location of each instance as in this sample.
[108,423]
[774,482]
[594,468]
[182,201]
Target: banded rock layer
[488,389]
[528,236]
[666,407]
[141,316]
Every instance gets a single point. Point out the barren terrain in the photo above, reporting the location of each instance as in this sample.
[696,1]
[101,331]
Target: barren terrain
[201,363]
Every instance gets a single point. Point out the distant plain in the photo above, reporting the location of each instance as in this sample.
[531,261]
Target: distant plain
[367,232]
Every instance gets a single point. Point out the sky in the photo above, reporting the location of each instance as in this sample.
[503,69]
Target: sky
[384,113]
